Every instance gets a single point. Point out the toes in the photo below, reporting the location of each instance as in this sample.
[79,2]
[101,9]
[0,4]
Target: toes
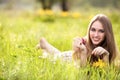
[41,44]
[38,46]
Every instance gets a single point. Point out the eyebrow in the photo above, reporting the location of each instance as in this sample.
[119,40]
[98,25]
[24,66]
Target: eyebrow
[102,30]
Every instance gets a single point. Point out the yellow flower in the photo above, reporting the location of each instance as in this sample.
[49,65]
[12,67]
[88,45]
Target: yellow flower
[40,12]
[49,12]
[76,15]
[64,14]
[44,12]
[99,63]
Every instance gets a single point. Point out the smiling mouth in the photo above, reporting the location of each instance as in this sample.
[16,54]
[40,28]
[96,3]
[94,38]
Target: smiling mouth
[96,40]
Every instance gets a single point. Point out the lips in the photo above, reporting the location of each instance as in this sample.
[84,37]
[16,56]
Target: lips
[96,40]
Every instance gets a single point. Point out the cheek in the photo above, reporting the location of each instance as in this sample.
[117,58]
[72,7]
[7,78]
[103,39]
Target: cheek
[90,34]
[103,36]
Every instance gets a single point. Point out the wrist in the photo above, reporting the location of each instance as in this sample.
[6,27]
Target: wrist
[107,53]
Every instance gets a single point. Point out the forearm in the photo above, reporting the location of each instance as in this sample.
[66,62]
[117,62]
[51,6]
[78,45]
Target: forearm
[80,59]
[83,60]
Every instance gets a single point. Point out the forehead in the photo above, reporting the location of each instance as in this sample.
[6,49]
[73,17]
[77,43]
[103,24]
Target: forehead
[97,25]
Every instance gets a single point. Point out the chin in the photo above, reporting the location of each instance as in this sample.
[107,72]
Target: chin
[96,44]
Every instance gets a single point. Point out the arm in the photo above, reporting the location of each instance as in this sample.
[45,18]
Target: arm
[80,51]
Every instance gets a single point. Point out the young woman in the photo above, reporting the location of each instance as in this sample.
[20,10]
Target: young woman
[98,44]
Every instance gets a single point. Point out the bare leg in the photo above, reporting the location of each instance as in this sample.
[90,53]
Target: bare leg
[48,49]
[43,44]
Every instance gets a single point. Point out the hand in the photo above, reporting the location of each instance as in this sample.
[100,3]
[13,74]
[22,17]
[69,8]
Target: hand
[100,51]
[78,43]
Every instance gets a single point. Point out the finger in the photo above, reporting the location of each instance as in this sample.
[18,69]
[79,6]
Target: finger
[94,52]
[102,51]
[99,51]
[83,41]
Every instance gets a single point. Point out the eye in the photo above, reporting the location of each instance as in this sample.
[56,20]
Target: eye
[101,31]
[92,29]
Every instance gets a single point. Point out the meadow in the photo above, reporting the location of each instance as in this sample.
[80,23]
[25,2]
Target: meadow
[21,31]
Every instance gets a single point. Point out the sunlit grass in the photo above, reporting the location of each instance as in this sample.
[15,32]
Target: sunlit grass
[19,60]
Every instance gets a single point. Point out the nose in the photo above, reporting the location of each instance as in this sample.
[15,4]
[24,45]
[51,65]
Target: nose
[96,34]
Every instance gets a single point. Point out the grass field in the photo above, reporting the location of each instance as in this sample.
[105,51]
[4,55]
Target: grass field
[21,31]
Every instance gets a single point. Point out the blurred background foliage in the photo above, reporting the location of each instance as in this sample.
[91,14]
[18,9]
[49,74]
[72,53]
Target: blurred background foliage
[65,5]
[24,22]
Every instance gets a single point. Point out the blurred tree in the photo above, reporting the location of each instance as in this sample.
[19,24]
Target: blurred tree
[65,5]
[10,4]
[116,3]
[2,1]
[47,4]
[105,3]
[99,3]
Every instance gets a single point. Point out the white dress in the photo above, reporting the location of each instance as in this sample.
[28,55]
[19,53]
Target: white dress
[65,56]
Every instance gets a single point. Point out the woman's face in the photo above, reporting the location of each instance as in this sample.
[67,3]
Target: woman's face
[97,33]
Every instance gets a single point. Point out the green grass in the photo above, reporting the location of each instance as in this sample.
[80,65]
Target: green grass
[19,34]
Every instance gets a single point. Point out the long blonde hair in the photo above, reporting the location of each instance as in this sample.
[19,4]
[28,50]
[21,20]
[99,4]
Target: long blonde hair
[109,42]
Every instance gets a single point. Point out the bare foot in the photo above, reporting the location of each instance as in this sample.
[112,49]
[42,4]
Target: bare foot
[42,44]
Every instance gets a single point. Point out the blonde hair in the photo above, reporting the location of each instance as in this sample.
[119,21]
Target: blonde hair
[109,42]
